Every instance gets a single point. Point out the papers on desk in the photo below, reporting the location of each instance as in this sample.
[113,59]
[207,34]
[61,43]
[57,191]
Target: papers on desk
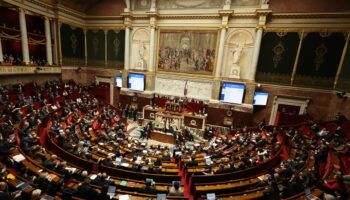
[261,177]
[211,196]
[18,158]
[51,176]
[93,177]
[111,191]
[124,197]
[23,185]
[124,164]
[10,176]
[71,169]
[130,184]
[161,196]
[208,160]
[47,197]
[111,154]
[123,183]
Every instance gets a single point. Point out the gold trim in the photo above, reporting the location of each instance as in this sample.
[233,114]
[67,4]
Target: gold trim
[63,21]
[85,47]
[340,67]
[122,27]
[60,58]
[106,59]
[301,38]
[190,29]
[306,30]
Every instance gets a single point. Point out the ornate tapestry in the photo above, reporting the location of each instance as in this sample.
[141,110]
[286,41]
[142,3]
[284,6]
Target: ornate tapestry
[187,51]
[319,59]
[277,56]
[115,49]
[96,48]
[72,45]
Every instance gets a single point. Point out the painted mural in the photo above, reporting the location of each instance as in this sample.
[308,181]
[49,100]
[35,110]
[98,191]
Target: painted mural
[187,51]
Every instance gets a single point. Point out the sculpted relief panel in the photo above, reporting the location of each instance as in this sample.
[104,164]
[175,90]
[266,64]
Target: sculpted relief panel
[190,4]
[199,90]
[175,87]
[170,86]
[238,52]
[140,49]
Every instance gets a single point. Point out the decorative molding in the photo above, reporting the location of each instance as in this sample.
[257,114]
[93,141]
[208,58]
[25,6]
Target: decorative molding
[14,70]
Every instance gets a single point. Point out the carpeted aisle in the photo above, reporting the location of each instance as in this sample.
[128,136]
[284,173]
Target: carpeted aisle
[186,185]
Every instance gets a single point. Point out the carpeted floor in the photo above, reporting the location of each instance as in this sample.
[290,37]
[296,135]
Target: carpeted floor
[134,132]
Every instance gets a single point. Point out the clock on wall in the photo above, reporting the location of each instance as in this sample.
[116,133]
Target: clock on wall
[229,113]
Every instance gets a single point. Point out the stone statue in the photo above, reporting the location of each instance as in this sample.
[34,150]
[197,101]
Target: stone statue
[237,52]
[142,50]
[141,64]
[153,5]
[227,4]
[266,1]
[236,57]
[127,3]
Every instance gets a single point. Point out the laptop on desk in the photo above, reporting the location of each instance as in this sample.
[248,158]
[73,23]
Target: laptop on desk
[309,195]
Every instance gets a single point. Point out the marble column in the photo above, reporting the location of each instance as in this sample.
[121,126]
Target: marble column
[48,41]
[55,44]
[1,55]
[127,49]
[151,50]
[220,53]
[24,37]
[256,52]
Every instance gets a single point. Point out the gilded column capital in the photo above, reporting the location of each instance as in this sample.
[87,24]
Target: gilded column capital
[224,27]
[260,27]
[21,9]
[152,26]
[129,26]
[47,18]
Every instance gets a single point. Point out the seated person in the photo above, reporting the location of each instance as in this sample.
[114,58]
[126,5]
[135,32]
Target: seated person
[149,187]
[86,191]
[175,190]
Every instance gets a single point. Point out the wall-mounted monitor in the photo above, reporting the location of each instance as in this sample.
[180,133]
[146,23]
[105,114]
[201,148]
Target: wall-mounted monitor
[232,92]
[136,82]
[260,98]
[119,81]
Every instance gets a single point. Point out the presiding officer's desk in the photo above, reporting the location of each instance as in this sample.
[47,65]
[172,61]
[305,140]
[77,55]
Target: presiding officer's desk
[179,119]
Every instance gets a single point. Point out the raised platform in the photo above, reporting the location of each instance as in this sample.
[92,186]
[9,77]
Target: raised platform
[162,137]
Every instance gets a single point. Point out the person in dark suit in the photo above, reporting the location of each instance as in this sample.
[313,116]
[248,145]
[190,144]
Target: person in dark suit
[192,162]
[42,182]
[149,187]
[175,190]
[86,191]
[103,194]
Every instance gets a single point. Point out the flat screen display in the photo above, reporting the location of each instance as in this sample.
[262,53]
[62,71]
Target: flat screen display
[232,93]
[260,98]
[136,82]
[119,81]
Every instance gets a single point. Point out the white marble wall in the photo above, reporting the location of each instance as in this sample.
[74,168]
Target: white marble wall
[174,86]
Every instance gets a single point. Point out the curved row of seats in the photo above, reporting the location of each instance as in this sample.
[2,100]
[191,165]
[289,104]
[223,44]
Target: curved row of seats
[247,183]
